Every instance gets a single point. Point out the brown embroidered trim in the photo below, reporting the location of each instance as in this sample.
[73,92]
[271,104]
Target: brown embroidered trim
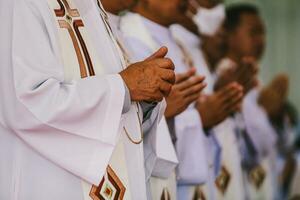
[60,12]
[66,25]
[257,176]
[113,179]
[223,180]
[165,194]
[76,25]
[199,195]
[72,12]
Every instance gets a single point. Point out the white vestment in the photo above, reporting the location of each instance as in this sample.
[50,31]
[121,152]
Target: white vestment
[61,121]
[294,191]
[263,137]
[146,36]
[224,132]
[160,156]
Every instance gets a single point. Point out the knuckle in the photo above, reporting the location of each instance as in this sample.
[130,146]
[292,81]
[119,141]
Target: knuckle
[169,62]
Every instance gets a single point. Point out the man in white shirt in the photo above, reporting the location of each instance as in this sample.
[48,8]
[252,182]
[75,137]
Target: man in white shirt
[69,124]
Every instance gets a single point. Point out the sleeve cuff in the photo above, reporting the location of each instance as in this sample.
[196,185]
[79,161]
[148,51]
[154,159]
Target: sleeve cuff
[127,100]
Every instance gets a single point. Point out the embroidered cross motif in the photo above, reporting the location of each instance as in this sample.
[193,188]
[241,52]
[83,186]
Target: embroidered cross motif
[69,19]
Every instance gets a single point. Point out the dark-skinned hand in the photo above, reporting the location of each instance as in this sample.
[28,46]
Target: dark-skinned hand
[244,73]
[273,97]
[215,108]
[185,91]
[150,80]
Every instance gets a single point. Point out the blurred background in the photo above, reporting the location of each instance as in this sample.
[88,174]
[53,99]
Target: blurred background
[282,19]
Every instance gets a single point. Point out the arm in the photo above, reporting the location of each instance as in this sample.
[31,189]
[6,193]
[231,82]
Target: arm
[68,123]
[260,130]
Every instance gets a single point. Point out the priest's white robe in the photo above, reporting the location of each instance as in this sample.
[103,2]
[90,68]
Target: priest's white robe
[263,137]
[294,191]
[160,156]
[58,132]
[224,132]
[146,35]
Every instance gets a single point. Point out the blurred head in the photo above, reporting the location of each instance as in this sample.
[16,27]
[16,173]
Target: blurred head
[246,31]
[163,12]
[214,47]
[116,6]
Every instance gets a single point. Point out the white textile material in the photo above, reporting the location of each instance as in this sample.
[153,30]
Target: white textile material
[58,131]
[145,35]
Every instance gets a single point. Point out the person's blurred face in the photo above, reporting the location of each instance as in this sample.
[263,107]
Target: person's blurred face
[115,6]
[167,10]
[249,37]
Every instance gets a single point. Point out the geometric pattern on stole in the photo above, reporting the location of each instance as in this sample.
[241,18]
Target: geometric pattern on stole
[257,176]
[110,187]
[165,194]
[223,180]
[199,195]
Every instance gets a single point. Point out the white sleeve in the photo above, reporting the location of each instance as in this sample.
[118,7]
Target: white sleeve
[258,125]
[159,152]
[160,155]
[74,124]
[190,147]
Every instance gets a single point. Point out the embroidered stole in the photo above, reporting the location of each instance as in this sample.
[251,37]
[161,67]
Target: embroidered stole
[161,187]
[80,61]
[229,182]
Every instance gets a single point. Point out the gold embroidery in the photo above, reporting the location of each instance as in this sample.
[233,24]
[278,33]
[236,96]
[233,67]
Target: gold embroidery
[223,180]
[165,194]
[257,176]
[199,195]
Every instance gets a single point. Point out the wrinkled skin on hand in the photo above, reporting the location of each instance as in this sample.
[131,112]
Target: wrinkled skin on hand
[215,108]
[244,73]
[150,80]
[185,91]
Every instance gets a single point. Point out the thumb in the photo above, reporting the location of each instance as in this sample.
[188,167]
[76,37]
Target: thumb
[162,52]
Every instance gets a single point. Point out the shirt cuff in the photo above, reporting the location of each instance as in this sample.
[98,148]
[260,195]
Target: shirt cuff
[127,100]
